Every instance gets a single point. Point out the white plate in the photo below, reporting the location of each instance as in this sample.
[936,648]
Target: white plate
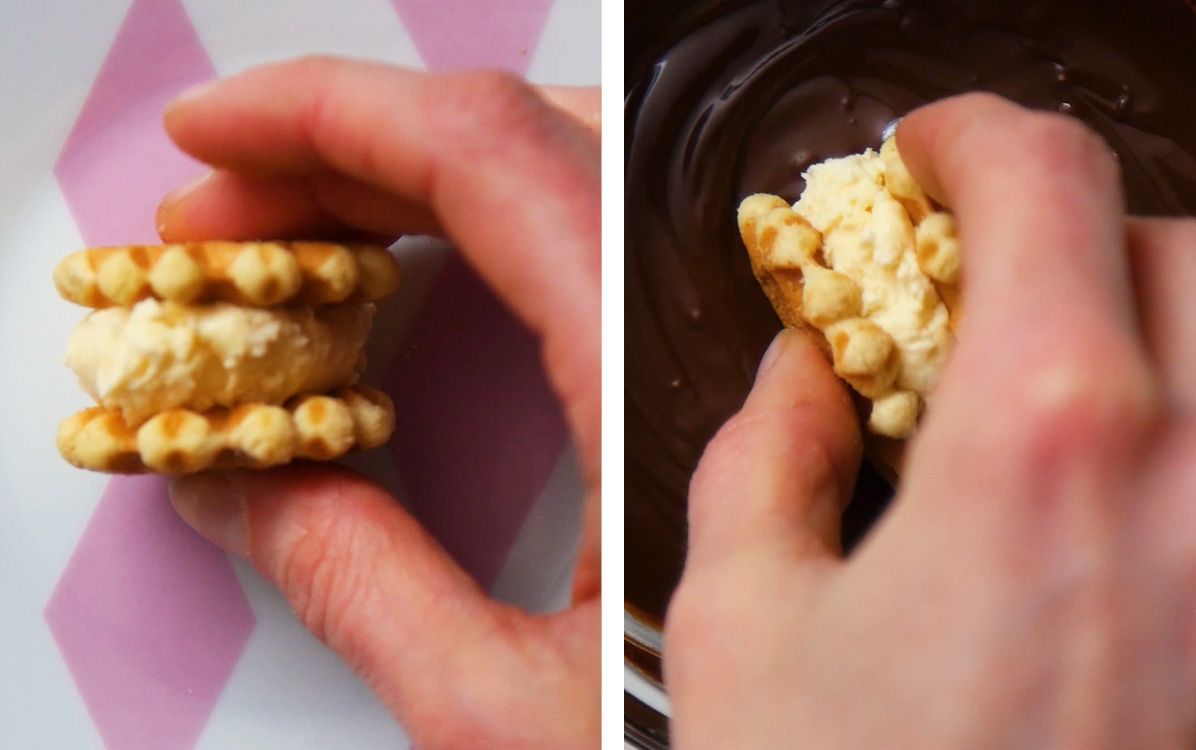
[121,628]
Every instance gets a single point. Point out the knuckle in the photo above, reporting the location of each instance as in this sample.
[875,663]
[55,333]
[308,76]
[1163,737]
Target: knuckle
[724,451]
[320,118]
[735,448]
[1048,133]
[716,473]
[494,104]
[768,481]
[1063,143]
[325,118]
[797,445]
[1083,407]
[807,432]
[497,84]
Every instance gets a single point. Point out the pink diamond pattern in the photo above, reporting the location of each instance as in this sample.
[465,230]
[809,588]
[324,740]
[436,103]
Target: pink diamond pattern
[479,429]
[150,619]
[465,34]
[117,162]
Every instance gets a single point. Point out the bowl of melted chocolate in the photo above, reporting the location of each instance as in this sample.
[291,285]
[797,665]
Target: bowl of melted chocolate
[726,98]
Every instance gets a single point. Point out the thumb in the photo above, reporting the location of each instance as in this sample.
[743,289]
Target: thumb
[777,475]
[363,576]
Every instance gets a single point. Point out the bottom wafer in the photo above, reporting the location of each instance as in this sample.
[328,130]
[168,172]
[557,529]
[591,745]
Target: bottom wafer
[181,441]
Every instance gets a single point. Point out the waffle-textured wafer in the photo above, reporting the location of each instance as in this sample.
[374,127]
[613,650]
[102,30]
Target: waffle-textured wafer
[181,441]
[260,274]
[772,232]
[866,264]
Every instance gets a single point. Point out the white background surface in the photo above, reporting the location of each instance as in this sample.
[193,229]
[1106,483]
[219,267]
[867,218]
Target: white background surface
[286,691]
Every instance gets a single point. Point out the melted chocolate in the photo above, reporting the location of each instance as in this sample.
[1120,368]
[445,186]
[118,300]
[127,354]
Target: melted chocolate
[730,98]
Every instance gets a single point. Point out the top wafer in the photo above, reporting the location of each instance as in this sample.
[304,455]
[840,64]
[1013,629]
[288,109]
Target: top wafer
[260,274]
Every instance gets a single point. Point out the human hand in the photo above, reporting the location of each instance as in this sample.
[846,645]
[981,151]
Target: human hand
[1033,583]
[324,146]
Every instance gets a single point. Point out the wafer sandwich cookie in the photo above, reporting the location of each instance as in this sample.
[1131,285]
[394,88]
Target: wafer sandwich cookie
[223,354]
[868,266]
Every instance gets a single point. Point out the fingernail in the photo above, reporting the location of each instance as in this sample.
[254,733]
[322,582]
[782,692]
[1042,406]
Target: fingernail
[167,214]
[186,189]
[191,95]
[214,507]
[772,354]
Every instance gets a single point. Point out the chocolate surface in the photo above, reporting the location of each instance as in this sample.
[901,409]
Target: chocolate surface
[730,98]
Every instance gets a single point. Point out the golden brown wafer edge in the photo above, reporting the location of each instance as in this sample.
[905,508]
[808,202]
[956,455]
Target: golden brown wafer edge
[317,427]
[256,274]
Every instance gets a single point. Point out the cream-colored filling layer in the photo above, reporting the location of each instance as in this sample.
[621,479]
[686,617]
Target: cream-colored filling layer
[160,355]
[868,235]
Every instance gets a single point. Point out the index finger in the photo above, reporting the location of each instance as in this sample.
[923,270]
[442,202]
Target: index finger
[513,180]
[1039,203]
[1050,334]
